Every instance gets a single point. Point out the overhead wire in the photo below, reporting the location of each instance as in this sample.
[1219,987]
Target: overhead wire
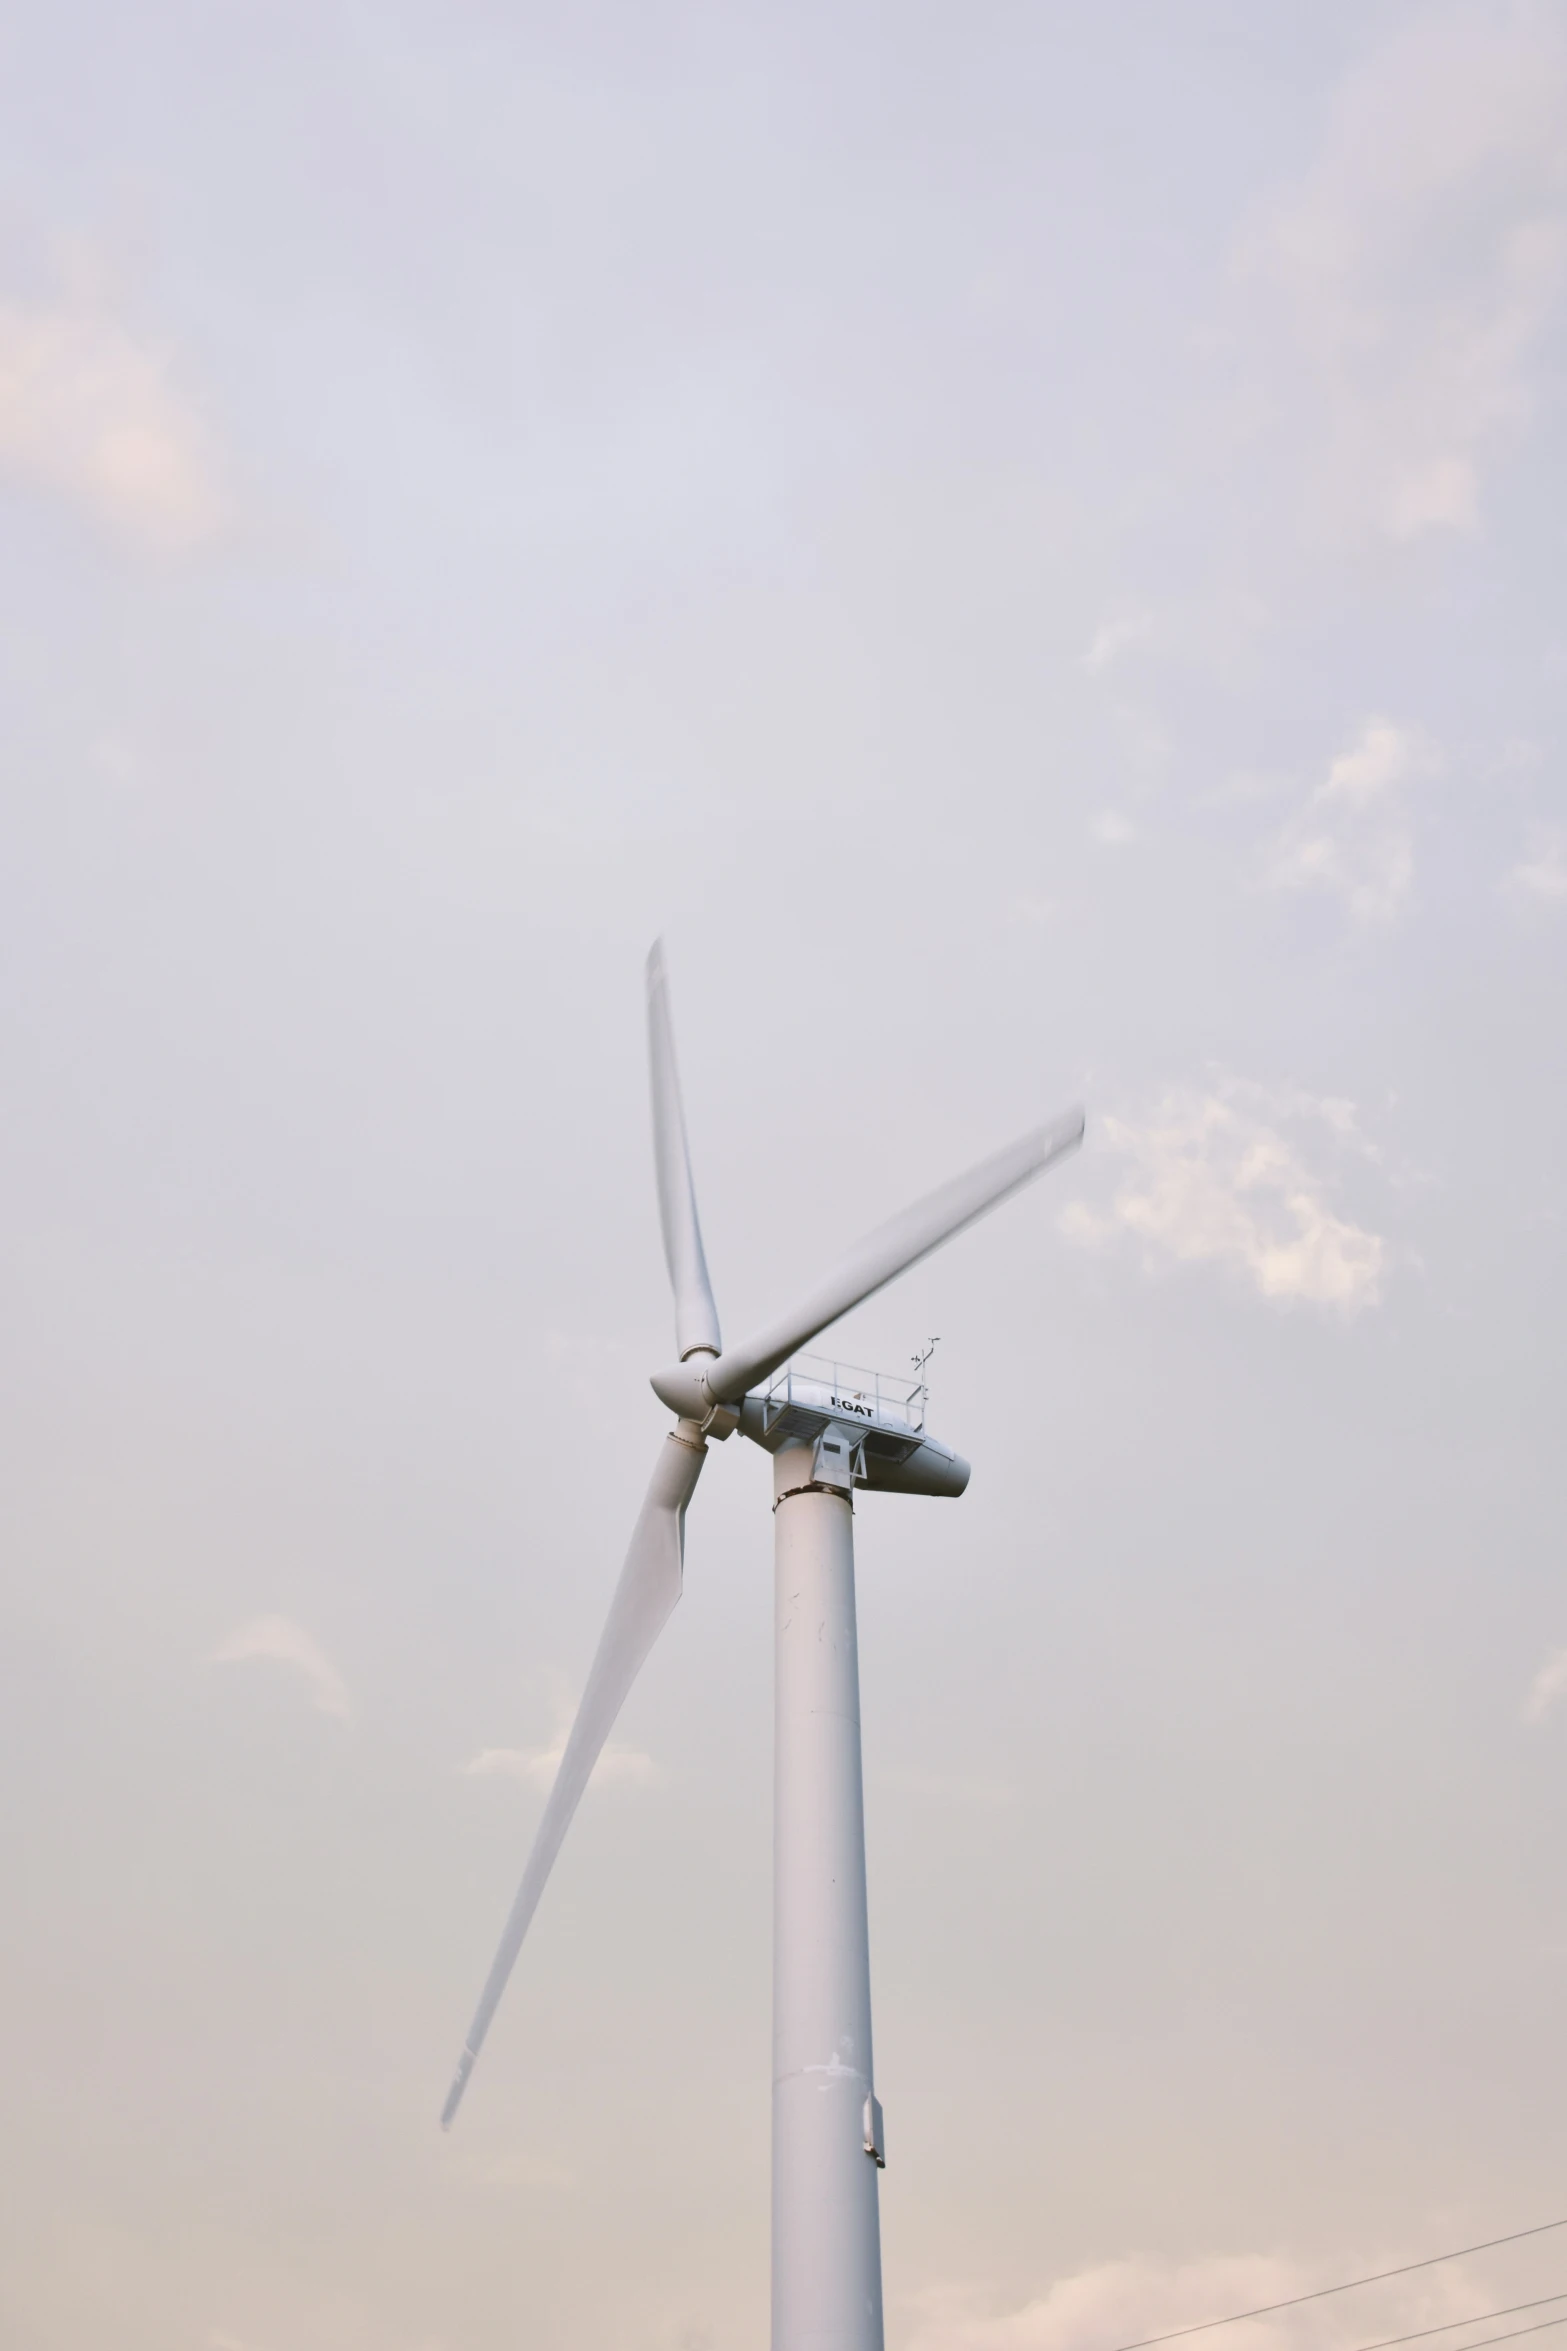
[1477,2318]
[1513,2333]
[1320,2293]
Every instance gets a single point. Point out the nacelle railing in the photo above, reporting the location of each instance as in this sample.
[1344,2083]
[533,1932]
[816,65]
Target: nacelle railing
[848,1391]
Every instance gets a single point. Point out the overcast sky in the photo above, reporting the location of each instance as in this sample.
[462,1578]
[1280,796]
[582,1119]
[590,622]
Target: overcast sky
[1028,542]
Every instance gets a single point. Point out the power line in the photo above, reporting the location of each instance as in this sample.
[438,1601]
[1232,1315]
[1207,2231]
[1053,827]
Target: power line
[1513,2333]
[1293,2301]
[1478,2318]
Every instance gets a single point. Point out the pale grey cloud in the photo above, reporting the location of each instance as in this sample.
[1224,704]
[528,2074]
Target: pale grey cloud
[1219,1178]
[93,413]
[1354,835]
[1542,873]
[1549,1685]
[278,1640]
[1112,830]
[1419,261]
[1111,639]
[1125,2301]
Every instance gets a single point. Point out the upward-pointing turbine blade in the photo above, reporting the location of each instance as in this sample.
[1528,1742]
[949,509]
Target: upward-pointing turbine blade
[696,1316]
[644,1599]
[891,1250]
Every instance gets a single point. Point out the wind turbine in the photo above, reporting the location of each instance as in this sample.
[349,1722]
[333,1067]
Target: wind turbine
[828,1431]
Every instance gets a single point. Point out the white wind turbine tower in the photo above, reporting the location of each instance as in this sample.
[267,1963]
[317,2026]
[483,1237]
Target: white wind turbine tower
[828,1432]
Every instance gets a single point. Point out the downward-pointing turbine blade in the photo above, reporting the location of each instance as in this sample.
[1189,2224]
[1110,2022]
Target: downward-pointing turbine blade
[644,1599]
[891,1250]
[696,1316]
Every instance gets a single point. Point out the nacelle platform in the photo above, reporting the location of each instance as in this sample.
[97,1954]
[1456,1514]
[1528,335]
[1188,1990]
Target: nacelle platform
[888,1449]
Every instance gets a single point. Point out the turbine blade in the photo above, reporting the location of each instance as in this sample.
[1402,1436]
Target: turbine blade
[696,1316]
[891,1250]
[644,1599]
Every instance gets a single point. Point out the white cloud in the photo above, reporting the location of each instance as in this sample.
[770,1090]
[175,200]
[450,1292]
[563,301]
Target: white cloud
[1118,2302]
[1418,262]
[1354,834]
[1214,1179]
[617,1764]
[277,1640]
[90,412]
[1543,873]
[1549,1684]
[1112,830]
[1112,638]
[1126,2301]
[540,1764]
[1037,911]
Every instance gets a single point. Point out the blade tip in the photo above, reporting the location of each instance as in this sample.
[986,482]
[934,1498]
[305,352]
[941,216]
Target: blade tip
[1062,1135]
[465,2065]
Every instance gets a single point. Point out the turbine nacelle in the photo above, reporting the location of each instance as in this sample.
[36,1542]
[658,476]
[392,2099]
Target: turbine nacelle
[843,1455]
[851,1428]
